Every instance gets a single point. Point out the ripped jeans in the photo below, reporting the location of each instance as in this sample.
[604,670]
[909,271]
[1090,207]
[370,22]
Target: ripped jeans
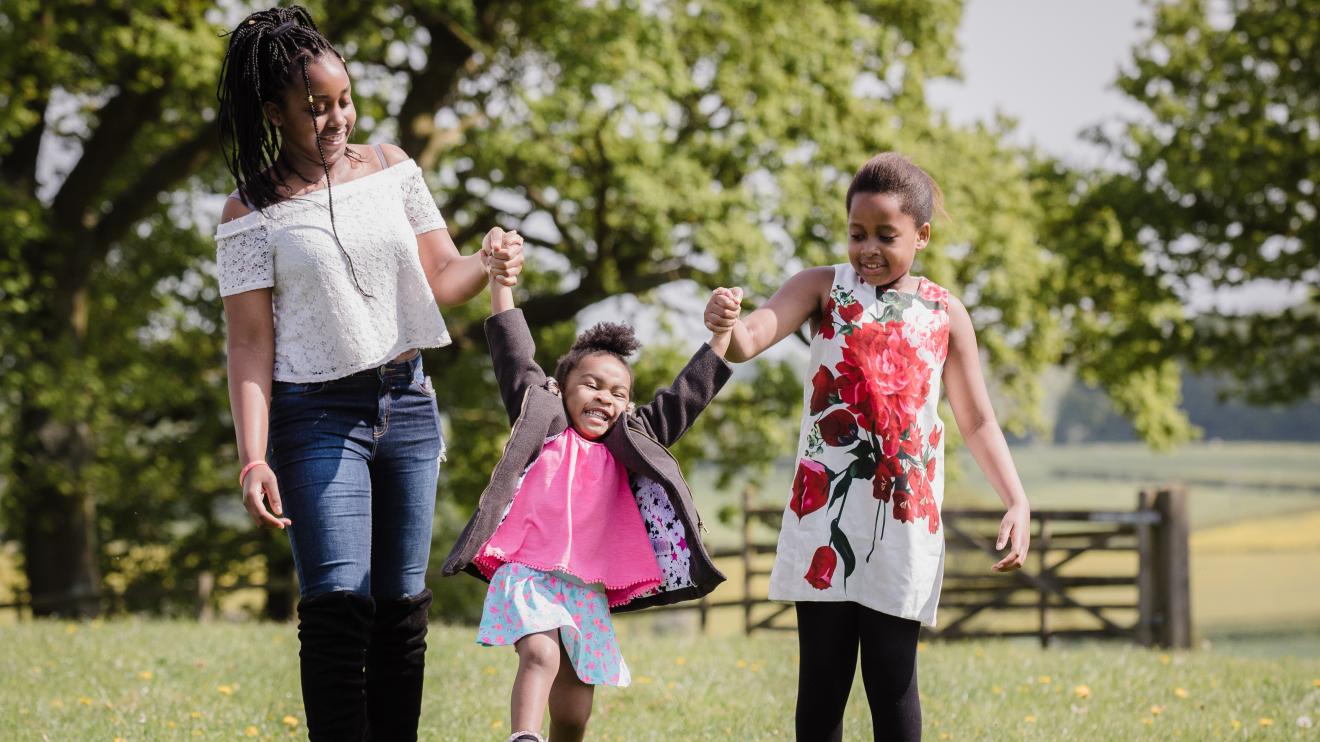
[357,459]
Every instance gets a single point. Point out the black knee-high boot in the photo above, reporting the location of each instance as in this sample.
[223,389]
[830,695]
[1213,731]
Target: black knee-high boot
[396,660]
[334,630]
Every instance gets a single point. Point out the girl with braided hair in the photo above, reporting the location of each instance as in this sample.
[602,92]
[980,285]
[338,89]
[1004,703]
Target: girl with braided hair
[332,258]
[587,512]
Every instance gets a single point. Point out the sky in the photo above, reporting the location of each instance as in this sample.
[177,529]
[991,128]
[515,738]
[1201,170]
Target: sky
[1050,64]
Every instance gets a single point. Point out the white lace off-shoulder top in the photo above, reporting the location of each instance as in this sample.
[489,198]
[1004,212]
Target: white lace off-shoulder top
[324,327]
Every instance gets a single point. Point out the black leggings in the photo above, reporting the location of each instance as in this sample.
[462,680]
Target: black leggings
[828,638]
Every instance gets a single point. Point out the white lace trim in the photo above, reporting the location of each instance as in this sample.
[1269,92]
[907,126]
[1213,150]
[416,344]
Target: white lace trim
[324,328]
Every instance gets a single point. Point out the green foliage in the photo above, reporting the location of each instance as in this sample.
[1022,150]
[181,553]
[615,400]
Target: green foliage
[642,149]
[1216,190]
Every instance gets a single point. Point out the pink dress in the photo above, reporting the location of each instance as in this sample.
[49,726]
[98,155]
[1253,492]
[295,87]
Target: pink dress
[575,513]
[572,546]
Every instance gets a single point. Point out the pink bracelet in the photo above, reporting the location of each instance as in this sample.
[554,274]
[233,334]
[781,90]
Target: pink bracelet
[251,465]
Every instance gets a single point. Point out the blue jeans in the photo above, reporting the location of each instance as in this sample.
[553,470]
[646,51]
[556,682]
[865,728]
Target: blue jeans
[357,460]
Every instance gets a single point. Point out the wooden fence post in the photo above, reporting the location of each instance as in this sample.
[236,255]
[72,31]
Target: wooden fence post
[747,558]
[1042,547]
[205,590]
[1171,570]
[1145,628]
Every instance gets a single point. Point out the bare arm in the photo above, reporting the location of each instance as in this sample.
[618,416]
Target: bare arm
[250,320]
[798,300]
[455,278]
[976,420]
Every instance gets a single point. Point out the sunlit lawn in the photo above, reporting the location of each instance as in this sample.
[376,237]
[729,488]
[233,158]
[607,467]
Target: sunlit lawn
[156,680]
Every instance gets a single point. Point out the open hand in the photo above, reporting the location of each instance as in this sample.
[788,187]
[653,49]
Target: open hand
[722,309]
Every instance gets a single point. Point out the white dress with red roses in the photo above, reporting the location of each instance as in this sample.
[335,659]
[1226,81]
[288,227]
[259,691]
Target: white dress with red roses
[863,519]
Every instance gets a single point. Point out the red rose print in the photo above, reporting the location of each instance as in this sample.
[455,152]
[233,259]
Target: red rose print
[821,572]
[838,428]
[827,320]
[910,446]
[811,487]
[930,468]
[883,480]
[822,383]
[906,505]
[933,516]
[883,379]
[933,292]
[850,313]
[935,437]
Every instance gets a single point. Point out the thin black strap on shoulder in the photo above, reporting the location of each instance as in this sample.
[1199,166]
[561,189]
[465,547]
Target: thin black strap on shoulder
[380,155]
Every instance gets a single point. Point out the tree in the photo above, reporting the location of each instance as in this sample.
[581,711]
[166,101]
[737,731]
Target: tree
[1216,190]
[643,148]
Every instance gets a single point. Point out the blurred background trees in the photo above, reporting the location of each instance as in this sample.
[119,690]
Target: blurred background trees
[648,152]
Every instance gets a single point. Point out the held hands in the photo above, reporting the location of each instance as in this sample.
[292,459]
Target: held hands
[1014,531]
[502,256]
[723,309]
[259,484]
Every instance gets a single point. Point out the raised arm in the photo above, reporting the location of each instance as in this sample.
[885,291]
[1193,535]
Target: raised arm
[798,300]
[676,407]
[454,278]
[976,420]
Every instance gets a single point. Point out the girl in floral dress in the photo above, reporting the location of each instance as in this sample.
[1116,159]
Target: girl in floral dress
[586,513]
[861,552]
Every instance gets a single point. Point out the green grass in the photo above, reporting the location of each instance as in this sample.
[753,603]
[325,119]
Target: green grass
[161,681]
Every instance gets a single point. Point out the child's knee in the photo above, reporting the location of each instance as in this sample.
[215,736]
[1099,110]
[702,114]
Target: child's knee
[571,718]
[538,652]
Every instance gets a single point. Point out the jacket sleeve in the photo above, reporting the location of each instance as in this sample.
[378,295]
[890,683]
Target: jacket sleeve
[676,407]
[512,353]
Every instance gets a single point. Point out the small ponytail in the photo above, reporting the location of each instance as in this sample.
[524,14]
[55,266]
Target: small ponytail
[615,339]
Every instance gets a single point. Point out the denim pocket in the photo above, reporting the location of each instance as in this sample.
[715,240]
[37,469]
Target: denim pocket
[424,386]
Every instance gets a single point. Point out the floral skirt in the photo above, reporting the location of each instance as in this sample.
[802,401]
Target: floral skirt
[522,601]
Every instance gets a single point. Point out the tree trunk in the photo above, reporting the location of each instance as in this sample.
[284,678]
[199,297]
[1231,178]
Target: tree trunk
[59,517]
[281,582]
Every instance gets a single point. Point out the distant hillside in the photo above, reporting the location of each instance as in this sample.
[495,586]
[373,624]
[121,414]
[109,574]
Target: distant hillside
[1086,414]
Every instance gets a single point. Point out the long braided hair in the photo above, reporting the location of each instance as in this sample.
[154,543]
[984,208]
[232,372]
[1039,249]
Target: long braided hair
[264,51]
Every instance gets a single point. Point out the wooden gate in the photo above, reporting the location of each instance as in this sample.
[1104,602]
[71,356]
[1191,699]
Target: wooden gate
[1149,604]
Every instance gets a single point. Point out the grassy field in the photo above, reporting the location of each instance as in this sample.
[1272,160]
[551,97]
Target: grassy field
[162,681]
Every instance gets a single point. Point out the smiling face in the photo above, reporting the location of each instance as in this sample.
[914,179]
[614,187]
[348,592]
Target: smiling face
[332,100]
[596,392]
[882,240]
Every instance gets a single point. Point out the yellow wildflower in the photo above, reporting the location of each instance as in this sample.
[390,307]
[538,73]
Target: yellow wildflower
[1030,718]
[1082,691]
[1180,692]
[225,689]
[740,664]
[251,731]
[1156,710]
[145,675]
[1266,721]
[680,660]
[290,721]
[1043,680]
